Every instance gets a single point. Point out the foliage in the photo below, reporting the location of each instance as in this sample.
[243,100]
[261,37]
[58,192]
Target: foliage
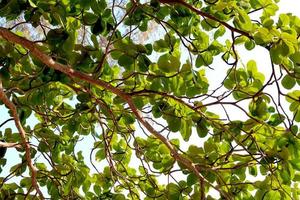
[129,79]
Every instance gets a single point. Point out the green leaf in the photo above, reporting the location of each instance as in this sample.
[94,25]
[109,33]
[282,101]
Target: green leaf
[276,119]
[205,59]
[202,40]
[4,73]
[119,197]
[89,18]
[173,191]
[156,112]
[284,20]
[268,23]
[249,44]
[192,179]
[174,123]
[262,36]
[129,119]
[125,61]
[253,170]
[242,20]
[98,6]
[297,178]
[258,108]
[69,44]
[220,32]
[98,27]
[288,82]
[95,41]
[192,91]
[86,186]
[201,128]
[271,195]
[143,63]
[56,36]
[296,163]
[168,63]
[186,129]
[26,182]
[83,97]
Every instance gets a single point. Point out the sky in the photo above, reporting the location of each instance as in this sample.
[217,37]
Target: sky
[259,55]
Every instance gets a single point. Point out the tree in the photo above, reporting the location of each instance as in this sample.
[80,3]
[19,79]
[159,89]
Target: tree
[129,77]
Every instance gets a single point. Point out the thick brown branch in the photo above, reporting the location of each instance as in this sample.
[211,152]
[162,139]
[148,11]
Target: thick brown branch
[25,144]
[67,69]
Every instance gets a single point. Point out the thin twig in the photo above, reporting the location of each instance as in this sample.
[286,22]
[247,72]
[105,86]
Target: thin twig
[206,15]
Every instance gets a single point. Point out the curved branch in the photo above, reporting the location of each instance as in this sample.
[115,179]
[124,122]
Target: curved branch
[10,144]
[25,144]
[68,70]
[204,14]
[10,119]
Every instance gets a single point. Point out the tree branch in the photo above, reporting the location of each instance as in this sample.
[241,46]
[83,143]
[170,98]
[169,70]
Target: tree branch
[67,69]
[10,119]
[10,144]
[25,144]
[204,14]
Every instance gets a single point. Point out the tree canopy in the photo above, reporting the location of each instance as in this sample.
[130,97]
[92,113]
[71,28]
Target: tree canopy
[149,99]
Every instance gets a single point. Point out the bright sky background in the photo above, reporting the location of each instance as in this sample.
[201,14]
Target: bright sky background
[260,55]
